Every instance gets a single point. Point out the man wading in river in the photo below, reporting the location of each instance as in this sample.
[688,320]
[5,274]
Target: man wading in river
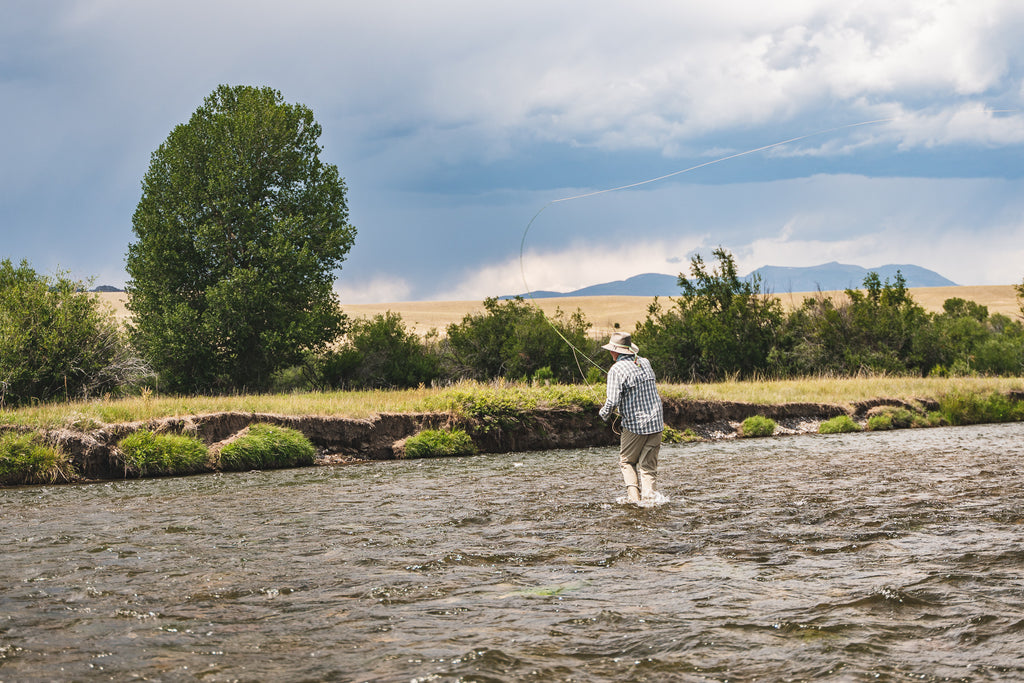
[631,387]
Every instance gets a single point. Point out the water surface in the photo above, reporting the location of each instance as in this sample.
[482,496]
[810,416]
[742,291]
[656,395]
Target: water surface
[886,556]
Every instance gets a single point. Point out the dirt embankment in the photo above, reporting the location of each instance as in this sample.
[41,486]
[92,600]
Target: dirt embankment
[341,440]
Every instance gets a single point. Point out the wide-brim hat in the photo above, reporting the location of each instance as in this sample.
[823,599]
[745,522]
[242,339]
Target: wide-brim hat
[621,343]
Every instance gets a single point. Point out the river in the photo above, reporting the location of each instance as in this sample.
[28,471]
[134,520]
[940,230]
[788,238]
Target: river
[893,556]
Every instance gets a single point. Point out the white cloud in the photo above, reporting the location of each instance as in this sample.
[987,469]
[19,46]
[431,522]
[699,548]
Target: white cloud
[384,289]
[574,268]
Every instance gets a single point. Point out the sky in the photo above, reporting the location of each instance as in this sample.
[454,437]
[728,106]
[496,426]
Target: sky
[496,148]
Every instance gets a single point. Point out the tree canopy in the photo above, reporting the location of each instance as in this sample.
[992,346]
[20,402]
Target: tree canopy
[239,231]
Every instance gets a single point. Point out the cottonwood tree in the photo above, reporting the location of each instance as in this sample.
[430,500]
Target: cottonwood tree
[240,229]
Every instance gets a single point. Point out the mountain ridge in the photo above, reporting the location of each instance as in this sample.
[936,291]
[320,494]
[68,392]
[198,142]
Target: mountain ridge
[774,279]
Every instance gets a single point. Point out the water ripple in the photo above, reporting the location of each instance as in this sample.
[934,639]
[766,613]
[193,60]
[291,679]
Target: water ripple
[891,556]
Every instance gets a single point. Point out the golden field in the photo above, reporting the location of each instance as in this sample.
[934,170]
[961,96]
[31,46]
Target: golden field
[605,311]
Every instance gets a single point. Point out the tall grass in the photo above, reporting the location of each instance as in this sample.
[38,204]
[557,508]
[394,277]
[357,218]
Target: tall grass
[266,446]
[146,454]
[27,459]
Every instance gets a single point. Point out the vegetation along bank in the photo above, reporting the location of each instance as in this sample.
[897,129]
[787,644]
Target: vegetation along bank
[72,442]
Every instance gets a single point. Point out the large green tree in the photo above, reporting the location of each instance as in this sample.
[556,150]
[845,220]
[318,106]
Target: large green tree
[240,229]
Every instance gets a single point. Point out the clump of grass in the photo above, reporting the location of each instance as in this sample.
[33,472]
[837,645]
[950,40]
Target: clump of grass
[839,424]
[880,423]
[899,417]
[673,435]
[266,446]
[757,425]
[27,459]
[434,443]
[146,454]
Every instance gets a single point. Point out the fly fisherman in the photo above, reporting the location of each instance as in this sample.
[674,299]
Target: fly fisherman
[631,388]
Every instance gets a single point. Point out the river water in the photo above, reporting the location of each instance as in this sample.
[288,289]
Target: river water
[885,556]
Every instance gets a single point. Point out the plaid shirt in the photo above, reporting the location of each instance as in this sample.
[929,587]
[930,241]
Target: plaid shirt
[631,387]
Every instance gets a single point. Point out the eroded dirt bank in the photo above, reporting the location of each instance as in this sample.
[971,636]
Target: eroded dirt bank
[338,439]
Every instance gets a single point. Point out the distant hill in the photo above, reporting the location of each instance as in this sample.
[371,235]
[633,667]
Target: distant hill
[838,276]
[105,288]
[774,279]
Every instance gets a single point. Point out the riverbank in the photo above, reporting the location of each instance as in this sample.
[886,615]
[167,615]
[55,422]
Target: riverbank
[500,418]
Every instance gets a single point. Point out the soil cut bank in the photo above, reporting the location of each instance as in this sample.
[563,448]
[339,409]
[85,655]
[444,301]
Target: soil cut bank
[342,440]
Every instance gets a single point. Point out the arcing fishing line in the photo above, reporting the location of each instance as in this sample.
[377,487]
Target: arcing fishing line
[522,246]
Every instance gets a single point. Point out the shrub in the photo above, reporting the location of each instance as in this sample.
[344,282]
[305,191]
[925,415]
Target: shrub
[433,443]
[379,352]
[722,325]
[839,425]
[757,425]
[899,417]
[513,338]
[964,409]
[147,454]
[26,459]
[56,342]
[266,446]
[543,375]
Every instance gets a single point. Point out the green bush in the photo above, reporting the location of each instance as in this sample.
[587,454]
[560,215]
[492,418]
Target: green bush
[433,443]
[900,417]
[722,325]
[513,338]
[146,454]
[56,342]
[379,352]
[839,425]
[543,375]
[266,446]
[964,409]
[26,459]
[757,425]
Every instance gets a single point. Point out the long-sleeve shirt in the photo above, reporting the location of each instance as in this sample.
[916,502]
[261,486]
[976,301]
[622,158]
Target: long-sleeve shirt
[631,387]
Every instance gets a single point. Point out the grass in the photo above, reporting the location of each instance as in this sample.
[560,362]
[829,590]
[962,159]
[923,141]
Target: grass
[147,454]
[842,390]
[503,400]
[673,435]
[266,446]
[757,425]
[27,459]
[434,443]
[840,424]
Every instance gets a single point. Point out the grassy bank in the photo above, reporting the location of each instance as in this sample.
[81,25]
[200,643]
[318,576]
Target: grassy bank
[502,415]
[476,399]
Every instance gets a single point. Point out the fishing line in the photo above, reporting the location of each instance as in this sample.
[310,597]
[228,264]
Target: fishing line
[522,245]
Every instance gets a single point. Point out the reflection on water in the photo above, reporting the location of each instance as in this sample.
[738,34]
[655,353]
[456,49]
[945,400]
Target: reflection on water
[887,556]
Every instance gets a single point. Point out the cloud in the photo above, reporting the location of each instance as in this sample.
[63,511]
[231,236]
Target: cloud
[382,289]
[573,268]
[453,121]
